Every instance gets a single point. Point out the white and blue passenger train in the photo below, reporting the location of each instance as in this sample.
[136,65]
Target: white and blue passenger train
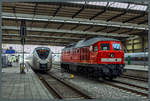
[41,59]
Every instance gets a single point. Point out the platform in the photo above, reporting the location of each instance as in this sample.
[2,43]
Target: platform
[136,70]
[22,86]
[137,67]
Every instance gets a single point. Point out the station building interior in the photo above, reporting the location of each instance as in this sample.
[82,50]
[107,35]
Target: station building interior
[59,39]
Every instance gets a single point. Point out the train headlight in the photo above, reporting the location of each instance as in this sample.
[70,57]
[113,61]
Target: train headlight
[112,55]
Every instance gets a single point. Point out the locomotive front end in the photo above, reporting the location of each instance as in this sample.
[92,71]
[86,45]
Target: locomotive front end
[111,57]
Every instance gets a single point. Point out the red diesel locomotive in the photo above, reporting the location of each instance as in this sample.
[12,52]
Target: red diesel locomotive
[101,57]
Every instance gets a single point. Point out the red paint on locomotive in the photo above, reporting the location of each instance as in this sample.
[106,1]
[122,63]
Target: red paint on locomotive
[102,52]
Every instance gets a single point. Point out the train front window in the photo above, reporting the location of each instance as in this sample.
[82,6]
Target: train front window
[43,54]
[116,46]
[105,46]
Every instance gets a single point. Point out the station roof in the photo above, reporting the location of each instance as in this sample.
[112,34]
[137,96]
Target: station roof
[64,23]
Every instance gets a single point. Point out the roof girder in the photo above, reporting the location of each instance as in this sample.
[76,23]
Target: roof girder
[33,43]
[48,37]
[65,31]
[31,40]
[73,21]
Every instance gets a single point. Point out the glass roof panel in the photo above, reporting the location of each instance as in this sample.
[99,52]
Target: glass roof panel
[98,3]
[138,7]
[117,5]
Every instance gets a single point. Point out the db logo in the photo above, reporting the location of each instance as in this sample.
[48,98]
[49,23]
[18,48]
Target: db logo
[112,55]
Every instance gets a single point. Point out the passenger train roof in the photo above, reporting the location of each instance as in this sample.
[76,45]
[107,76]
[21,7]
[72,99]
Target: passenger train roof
[88,42]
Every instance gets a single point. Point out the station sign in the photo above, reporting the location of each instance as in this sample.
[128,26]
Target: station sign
[10,51]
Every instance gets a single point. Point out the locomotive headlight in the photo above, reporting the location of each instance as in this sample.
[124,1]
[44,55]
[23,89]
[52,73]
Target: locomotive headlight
[112,55]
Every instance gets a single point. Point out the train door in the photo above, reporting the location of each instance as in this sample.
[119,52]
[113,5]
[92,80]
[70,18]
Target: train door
[93,54]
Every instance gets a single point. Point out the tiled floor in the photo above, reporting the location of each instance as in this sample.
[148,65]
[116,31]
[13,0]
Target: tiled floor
[22,86]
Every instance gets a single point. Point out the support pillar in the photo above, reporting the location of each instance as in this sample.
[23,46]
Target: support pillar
[149,48]
[143,44]
[1,49]
[132,45]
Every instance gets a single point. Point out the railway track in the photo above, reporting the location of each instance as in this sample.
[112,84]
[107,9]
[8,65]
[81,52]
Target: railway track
[61,89]
[128,87]
[143,91]
[135,78]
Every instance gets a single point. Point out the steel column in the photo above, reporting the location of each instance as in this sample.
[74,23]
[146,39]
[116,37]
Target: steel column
[1,49]
[132,45]
[149,48]
[143,44]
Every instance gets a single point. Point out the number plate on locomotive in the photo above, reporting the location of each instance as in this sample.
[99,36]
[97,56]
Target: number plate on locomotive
[111,60]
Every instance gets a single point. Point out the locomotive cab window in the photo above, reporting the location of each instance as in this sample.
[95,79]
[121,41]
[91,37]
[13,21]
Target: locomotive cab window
[116,46]
[95,48]
[105,46]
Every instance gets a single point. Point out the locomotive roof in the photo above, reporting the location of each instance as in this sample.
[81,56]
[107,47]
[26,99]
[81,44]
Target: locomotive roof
[88,42]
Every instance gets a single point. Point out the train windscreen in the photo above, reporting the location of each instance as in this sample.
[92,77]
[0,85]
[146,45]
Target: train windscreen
[105,46]
[116,46]
[43,53]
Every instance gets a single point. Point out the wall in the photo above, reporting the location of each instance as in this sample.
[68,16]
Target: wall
[137,45]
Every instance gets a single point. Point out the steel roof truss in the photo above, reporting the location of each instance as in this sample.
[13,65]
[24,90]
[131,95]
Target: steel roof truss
[64,31]
[103,11]
[74,21]
[73,16]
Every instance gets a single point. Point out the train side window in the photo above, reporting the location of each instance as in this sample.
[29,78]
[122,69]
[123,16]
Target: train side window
[95,48]
[105,46]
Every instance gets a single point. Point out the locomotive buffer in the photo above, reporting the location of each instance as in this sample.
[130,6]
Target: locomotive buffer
[23,35]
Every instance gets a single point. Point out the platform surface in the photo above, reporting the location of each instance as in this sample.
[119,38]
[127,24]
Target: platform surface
[137,67]
[22,86]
